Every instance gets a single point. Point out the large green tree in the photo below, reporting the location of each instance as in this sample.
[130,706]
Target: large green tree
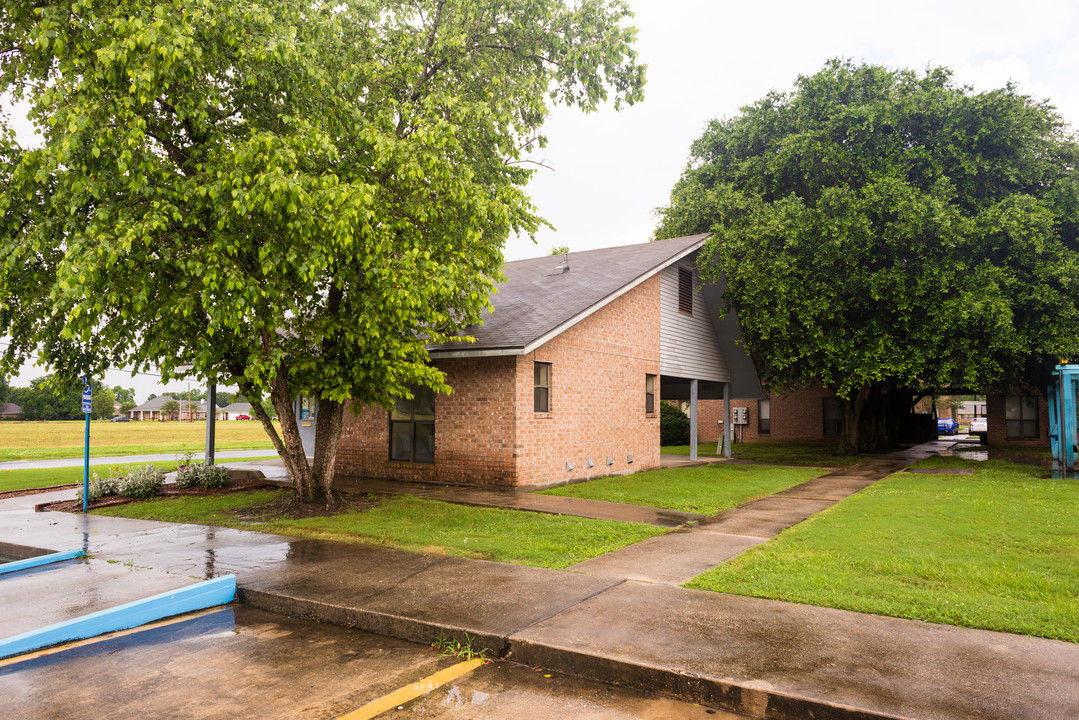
[292,197]
[59,397]
[885,230]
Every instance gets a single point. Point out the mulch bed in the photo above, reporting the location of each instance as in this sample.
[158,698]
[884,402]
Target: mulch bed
[34,491]
[166,492]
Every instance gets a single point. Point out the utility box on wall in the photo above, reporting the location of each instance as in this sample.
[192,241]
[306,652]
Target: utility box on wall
[739,416]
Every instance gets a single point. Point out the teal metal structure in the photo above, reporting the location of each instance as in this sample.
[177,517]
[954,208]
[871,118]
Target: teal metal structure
[1064,416]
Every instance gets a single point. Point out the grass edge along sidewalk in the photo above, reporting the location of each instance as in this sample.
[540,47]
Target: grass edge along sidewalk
[409,523]
[996,550]
[705,489]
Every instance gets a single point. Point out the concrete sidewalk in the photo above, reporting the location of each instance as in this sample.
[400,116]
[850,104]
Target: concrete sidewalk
[677,557]
[759,657]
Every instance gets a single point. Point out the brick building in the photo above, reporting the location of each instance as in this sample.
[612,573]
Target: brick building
[1019,417]
[564,379]
[810,413]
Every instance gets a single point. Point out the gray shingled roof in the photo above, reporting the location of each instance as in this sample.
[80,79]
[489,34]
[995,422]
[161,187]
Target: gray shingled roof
[158,402]
[538,299]
[153,404]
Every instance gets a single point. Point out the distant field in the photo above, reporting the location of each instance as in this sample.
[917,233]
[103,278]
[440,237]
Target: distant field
[48,477]
[30,440]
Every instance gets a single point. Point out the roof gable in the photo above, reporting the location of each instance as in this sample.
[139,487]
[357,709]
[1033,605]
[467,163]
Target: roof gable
[542,297]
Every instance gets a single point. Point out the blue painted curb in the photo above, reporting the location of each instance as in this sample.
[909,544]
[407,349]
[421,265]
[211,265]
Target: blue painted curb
[177,602]
[16,565]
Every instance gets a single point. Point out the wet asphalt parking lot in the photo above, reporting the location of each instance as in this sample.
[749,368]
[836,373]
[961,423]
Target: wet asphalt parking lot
[238,662]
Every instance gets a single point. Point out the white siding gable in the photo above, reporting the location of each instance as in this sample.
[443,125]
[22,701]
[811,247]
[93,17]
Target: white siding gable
[688,346]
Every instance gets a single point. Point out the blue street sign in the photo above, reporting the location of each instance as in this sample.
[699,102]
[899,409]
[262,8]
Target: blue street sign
[87,399]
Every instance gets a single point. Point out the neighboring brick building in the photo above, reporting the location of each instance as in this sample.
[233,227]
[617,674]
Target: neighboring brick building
[1018,418]
[804,414]
[564,379]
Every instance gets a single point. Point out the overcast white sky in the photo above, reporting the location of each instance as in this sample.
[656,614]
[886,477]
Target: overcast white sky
[707,59]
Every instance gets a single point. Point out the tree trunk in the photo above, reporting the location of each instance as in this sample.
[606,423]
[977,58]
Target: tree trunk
[311,482]
[289,445]
[852,412]
[328,424]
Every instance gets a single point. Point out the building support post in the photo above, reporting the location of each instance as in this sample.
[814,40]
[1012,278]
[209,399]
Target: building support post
[728,428]
[693,420]
[1069,433]
[211,419]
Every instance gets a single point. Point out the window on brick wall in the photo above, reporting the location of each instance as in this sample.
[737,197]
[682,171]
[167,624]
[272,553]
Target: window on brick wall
[412,427]
[1021,416]
[764,417]
[833,418]
[541,387]
[649,393]
[685,291]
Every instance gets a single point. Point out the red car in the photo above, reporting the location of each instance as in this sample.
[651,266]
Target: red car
[243,417]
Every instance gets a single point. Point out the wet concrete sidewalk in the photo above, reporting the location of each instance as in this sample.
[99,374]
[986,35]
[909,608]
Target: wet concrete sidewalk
[126,560]
[759,657]
[678,557]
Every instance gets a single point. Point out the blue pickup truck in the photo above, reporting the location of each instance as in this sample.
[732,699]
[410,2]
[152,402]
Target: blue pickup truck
[947,426]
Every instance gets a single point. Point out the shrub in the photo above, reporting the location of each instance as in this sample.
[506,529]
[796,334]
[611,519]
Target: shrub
[142,482]
[99,488]
[202,475]
[188,476]
[673,425]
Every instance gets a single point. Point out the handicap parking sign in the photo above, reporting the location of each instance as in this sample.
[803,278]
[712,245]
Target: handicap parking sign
[87,398]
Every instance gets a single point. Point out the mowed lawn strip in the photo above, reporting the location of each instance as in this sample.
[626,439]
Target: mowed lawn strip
[705,489]
[997,550]
[64,438]
[48,477]
[409,523]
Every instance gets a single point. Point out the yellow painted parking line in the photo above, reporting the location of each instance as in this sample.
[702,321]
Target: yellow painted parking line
[413,691]
[103,638]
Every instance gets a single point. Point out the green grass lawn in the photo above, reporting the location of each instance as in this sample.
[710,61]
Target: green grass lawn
[997,550]
[47,477]
[409,523]
[706,489]
[807,454]
[30,440]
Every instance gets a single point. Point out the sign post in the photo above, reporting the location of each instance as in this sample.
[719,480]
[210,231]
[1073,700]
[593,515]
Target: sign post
[87,404]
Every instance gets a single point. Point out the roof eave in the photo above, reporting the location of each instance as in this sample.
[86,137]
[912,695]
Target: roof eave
[555,332]
[476,352]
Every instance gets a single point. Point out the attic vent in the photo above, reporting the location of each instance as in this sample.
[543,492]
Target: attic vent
[685,291]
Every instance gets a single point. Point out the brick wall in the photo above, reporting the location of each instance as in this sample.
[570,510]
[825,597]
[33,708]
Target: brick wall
[474,429]
[487,432]
[795,415]
[995,418]
[597,396]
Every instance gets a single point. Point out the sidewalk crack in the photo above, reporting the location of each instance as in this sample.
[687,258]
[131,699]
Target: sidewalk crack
[547,617]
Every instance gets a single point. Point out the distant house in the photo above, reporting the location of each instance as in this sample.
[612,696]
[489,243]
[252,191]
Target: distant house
[151,409]
[233,410]
[565,377]
[194,410]
[10,411]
